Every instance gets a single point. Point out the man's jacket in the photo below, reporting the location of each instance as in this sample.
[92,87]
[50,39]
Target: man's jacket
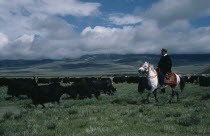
[165,64]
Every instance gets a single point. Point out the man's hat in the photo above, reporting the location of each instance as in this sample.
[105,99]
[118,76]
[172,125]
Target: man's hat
[164,50]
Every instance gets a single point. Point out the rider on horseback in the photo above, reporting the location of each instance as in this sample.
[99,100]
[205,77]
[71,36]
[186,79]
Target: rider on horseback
[164,66]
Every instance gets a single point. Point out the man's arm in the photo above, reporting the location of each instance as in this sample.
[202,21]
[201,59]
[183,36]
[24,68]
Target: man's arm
[169,62]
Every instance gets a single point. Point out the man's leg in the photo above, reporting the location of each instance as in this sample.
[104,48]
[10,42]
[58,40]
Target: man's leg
[161,76]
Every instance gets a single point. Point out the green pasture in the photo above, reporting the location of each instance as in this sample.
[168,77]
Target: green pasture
[123,114]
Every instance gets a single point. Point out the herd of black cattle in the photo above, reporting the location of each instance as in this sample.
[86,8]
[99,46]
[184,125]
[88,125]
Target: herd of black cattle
[43,90]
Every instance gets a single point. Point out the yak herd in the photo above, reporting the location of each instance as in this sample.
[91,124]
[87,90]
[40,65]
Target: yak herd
[203,81]
[43,90]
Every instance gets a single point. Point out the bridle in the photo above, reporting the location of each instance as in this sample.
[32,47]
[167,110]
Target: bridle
[147,70]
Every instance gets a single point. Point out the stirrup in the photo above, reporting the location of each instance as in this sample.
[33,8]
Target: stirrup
[163,87]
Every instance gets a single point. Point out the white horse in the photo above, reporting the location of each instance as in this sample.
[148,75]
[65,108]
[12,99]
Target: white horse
[152,77]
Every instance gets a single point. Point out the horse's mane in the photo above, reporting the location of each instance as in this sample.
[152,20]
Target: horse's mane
[152,67]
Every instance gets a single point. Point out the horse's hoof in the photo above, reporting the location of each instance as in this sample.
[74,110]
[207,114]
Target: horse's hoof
[146,102]
[157,103]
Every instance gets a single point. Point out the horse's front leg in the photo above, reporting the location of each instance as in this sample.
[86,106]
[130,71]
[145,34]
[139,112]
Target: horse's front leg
[155,94]
[148,95]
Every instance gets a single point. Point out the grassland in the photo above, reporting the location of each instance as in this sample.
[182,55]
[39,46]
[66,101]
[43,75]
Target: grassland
[122,114]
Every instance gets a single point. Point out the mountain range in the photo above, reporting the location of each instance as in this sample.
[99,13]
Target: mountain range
[101,65]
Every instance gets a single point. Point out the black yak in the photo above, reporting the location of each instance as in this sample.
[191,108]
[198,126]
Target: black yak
[47,93]
[18,87]
[43,80]
[82,89]
[4,81]
[104,84]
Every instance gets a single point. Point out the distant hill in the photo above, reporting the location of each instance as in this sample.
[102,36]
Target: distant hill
[100,64]
[206,71]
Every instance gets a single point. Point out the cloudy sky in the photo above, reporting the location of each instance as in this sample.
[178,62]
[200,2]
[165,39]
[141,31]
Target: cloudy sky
[56,29]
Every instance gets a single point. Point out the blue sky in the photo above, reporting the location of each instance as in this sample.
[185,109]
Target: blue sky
[107,8]
[122,7]
[201,22]
[57,29]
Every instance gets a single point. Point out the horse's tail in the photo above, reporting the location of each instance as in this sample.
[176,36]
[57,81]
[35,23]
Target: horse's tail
[182,83]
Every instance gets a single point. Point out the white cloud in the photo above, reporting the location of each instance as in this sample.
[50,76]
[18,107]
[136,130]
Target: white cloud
[25,38]
[107,40]
[21,21]
[124,19]
[166,11]
[19,17]
[3,40]
[144,38]
[59,7]
[178,26]
[27,31]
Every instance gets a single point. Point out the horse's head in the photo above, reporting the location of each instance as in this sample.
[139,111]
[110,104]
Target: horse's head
[144,68]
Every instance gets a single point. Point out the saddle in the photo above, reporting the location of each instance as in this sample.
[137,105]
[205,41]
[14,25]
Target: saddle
[170,79]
